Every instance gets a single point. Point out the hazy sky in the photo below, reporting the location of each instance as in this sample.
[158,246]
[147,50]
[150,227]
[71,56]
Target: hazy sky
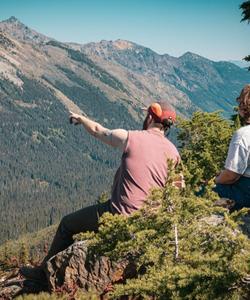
[210,28]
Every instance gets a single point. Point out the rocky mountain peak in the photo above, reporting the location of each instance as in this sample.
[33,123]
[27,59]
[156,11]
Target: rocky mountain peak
[12,19]
[123,44]
[13,22]
[16,29]
[113,45]
[192,56]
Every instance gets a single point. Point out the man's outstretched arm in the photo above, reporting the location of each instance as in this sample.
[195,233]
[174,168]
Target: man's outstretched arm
[116,138]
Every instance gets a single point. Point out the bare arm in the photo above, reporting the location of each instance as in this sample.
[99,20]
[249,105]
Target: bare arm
[227,177]
[116,138]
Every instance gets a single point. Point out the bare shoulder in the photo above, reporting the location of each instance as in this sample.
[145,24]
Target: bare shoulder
[119,138]
[120,133]
[116,138]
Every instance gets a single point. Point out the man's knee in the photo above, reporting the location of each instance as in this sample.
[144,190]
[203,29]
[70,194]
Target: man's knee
[64,225]
[222,190]
[83,220]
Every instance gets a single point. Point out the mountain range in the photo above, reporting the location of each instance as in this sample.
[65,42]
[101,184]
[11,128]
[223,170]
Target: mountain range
[48,168]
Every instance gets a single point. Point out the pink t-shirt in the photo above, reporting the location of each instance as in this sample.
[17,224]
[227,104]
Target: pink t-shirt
[143,166]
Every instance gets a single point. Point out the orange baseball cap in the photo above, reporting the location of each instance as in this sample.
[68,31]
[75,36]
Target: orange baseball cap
[161,111]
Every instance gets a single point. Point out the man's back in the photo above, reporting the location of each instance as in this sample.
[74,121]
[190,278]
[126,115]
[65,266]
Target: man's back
[143,166]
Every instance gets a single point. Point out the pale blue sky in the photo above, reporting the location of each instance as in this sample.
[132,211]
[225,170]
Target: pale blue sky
[210,28]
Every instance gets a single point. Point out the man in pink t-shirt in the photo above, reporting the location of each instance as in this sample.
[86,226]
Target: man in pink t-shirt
[143,166]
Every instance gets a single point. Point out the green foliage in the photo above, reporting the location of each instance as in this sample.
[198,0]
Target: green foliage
[28,247]
[238,121]
[42,296]
[24,254]
[204,144]
[104,196]
[182,247]
[5,254]
[46,296]
[245,6]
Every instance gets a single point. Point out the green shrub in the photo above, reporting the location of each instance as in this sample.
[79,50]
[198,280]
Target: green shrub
[204,144]
[183,247]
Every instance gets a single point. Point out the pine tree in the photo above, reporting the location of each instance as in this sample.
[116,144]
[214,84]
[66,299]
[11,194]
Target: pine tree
[245,7]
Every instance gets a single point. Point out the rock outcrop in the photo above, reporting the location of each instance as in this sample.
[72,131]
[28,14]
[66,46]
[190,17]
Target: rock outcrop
[71,268]
[68,271]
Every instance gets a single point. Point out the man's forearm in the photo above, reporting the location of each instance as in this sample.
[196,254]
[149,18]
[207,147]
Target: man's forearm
[116,138]
[91,126]
[227,177]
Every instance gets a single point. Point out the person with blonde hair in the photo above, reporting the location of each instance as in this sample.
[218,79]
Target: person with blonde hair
[234,181]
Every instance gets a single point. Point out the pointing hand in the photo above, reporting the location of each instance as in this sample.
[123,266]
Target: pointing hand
[74,118]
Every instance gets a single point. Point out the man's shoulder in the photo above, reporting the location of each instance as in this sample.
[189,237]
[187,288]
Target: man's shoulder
[173,147]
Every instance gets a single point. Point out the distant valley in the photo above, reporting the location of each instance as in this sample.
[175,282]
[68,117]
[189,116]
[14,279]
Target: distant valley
[48,167]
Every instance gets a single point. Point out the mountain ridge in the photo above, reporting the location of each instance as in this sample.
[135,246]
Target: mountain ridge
[49,168]
[189,73]
[15,21]
[20,31]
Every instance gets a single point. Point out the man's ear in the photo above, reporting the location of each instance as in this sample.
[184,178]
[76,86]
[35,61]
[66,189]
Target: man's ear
[150,118]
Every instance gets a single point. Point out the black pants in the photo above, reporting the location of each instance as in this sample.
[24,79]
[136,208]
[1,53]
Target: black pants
[85,219]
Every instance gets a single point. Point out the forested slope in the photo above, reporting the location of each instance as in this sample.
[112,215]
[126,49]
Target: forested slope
[49,168]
